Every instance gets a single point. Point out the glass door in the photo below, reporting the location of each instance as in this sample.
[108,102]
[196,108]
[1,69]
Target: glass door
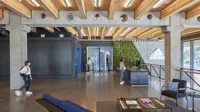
[101,58]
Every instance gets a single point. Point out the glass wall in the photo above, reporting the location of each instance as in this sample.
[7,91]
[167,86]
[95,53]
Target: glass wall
[191,60]
[101,58]
[186,55]
[196,60]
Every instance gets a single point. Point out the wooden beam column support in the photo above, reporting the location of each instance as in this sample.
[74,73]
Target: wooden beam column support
[17,7]
[144,7]
[151,31]
[135,32]
[50,29]
[194,12]
[1,14]
[176,7]
[103,33]
[49,6]
[81,8]
[33,29]
[112,9]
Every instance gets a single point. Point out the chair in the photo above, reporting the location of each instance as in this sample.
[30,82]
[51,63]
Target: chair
[179,93]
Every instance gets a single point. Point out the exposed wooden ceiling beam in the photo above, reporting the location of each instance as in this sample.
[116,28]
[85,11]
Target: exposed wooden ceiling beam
[185,32]
[144,7]
[176,7]
[149,32]
[190,31]
[135,32]
[17,7]
[112,9]
[72,30]
[103,33]
[50,29]
[122,29]
[49,6]
[89,34]
[82,31]
[33,29]
[194,12]
[158,35]
[81,8]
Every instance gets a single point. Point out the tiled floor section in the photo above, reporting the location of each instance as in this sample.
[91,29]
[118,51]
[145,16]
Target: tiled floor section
[85,90]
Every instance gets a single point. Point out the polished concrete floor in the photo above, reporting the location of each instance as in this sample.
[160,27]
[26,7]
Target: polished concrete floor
[85,90]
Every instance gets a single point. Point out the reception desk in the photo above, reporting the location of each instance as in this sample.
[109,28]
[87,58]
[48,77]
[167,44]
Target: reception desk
[136,76]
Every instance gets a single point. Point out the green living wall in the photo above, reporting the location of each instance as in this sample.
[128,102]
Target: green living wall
[127,50]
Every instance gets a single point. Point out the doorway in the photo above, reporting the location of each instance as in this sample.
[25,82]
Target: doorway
[101,58]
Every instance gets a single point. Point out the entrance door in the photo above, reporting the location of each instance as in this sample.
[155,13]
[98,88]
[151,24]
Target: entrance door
[78,60]
[101,58]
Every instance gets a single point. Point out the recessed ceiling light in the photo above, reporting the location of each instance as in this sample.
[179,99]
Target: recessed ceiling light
[158,3]
[97,3]
[35,3]
[67,4]
[128,2]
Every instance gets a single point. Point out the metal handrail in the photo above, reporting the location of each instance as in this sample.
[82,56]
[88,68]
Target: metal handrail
[152,67]
[188,73]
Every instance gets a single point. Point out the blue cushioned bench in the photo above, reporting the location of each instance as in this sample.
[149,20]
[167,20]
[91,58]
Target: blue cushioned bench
[54,105]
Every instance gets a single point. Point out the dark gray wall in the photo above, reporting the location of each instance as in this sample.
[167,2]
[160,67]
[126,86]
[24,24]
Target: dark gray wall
[4,57]
[52,57]
[85,44]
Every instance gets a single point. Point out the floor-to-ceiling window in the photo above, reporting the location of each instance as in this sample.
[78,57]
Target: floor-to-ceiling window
[191,60]
[196,60]
[186,55]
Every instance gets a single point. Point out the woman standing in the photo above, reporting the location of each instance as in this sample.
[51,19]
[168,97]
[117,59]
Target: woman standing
[89,64]
[25,73]
[122,70]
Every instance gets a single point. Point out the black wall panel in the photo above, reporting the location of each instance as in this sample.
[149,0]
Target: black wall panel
[51,57]
[4,58]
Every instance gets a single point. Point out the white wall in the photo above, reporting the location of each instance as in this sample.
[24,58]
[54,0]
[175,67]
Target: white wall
[147,48]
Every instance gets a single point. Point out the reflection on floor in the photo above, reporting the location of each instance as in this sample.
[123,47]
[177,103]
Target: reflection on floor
[85,90]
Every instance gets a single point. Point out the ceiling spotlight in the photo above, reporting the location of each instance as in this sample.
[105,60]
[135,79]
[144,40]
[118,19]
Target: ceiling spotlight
[158,3]
[128,2]
[97,3]
[66,3]
[97,16]
[123,18]
[35,3]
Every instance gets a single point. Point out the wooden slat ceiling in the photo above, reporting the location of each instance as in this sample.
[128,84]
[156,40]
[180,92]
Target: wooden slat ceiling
[140,7]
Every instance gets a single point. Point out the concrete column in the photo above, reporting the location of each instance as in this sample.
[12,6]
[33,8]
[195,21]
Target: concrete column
[172,47]
[18,49]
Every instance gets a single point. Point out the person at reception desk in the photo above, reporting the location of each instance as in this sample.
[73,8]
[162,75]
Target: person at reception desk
[122,70]
[138,63]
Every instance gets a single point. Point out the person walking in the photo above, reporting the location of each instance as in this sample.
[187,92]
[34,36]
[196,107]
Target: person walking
[122,70]
[89,64]
[25,73]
